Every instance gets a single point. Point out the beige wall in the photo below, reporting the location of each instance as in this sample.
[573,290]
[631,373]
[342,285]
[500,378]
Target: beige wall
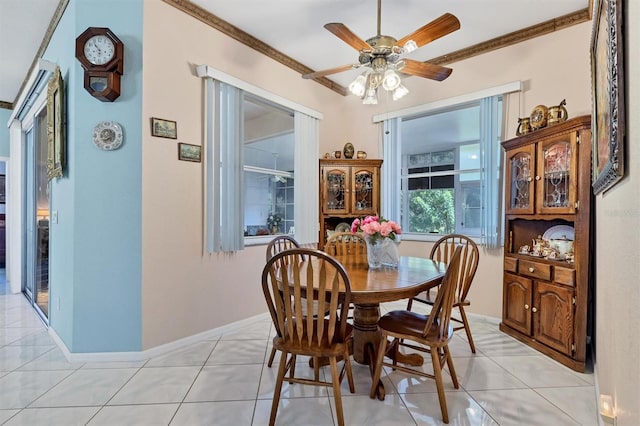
[186,292]
[617,260]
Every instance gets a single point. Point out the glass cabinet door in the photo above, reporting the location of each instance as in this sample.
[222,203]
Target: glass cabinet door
[364,191]
[557,171]
[335,193]
[520,168]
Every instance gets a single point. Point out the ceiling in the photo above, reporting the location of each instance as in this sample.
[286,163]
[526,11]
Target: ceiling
[295,27]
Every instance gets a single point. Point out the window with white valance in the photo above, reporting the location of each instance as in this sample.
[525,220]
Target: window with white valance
[259,150]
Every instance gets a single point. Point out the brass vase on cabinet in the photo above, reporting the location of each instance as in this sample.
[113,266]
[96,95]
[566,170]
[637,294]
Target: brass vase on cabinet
[557,114]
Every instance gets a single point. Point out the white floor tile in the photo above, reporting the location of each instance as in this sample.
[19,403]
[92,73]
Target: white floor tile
[482,373]
[539,371]
[12,357]
[85,387]
[156,385]
[7,414]
[238,352]
[52,360]
[295,412]
[517,407]
[196,354]
[64,416]
[256,331]
[463,410]
[228,413]
[364,411]
[578,402]
[226,383]
[134,415]
[20,388]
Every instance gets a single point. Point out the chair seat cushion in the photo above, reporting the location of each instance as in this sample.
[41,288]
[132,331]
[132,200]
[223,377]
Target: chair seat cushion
[297,345]
[409,323]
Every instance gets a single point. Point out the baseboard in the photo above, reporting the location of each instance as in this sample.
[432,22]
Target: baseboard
[134,356]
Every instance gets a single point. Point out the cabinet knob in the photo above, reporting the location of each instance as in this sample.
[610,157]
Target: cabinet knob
[537,177]
[531,269]
[526,306]
[534,309]
[529,179]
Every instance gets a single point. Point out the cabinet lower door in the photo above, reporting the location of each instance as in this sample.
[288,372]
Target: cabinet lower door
[554,316]
[516,309]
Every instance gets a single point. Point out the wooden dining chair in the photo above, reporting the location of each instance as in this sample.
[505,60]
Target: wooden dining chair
[442,251]
[286,280]
[281,243]
[275,246]
[431,332]
[347,244]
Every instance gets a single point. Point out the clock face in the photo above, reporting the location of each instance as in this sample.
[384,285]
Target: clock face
[99,49]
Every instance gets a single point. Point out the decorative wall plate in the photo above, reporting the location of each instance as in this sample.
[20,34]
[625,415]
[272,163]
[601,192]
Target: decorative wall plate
[107,135]
[559,232]
[343,227]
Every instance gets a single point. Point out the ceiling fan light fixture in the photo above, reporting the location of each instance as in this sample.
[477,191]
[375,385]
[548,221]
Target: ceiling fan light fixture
[400,92]
[358,86]
[391,80]
[370,98]
[410,46]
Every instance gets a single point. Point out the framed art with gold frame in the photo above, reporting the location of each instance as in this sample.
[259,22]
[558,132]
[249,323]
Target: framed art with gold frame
[607,81]
[55,126]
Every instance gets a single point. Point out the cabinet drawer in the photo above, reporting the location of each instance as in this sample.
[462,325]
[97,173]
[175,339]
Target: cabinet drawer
[510,264]
[534,269]
[566,276]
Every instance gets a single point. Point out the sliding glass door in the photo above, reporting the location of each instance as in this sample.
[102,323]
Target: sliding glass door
[36,216]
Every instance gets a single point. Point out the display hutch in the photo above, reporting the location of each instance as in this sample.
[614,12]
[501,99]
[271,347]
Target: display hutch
[546,300]
[349,189]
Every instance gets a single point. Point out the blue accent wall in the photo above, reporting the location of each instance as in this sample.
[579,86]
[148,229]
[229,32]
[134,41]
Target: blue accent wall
[95,263]
[4,132]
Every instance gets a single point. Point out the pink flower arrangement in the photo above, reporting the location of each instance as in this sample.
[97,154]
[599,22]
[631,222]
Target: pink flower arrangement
[376,227]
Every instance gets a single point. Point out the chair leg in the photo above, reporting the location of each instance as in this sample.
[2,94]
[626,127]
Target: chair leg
[378,366]
[347,367]
[292,368]
[278,389]
[467,329]
[316,369]
[335,375]
[437,372]
[409,304]
[452,369]
[271,357]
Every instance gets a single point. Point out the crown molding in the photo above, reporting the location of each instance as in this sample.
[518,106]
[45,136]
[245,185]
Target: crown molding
[515,37]
[478,49]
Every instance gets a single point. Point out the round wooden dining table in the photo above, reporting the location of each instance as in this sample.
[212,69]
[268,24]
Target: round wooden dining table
[370,287]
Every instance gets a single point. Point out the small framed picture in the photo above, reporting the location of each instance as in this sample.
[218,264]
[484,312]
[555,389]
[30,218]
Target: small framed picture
[164,128]
[188,152]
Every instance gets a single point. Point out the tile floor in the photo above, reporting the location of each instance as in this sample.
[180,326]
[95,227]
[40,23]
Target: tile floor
[226,382]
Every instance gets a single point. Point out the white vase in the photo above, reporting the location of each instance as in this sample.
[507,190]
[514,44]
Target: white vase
[382,252]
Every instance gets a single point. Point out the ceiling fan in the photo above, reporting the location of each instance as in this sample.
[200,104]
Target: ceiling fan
[382,56]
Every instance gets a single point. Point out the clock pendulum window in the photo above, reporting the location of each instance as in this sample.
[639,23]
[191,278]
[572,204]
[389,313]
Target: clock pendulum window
[101,55]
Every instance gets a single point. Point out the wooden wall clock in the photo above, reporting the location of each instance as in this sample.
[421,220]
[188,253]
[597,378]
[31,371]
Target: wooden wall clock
[101,55]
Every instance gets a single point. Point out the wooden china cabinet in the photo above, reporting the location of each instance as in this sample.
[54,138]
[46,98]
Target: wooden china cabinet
[546,302]
[349,189]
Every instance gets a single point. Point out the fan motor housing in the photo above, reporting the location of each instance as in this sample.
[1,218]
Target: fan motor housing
[382,44]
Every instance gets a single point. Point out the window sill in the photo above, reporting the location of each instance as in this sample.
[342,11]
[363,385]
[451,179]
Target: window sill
[432,238]
[261,240]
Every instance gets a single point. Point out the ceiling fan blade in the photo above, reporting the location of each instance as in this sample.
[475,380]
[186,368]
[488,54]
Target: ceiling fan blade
[329,71]
[345,34]
[426,70]
[435,29]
